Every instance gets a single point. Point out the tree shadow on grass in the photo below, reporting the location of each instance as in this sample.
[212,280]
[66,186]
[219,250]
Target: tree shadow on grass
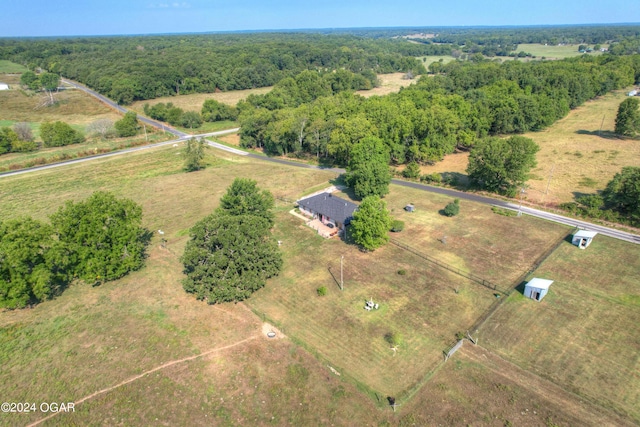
[456,180]
[606,134]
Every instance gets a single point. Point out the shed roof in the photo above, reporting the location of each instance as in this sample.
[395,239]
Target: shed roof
[585,234]
[540,283]
[326,204]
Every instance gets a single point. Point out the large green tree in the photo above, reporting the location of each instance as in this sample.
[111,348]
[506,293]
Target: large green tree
[623,192]
[103,236]
[229,257]
[628,117]
[368,171]
[193,154]
[59,134]
[244,197]
[31,267]
[371,223]
[232,253]
[128,125]
[501,165]
[8,138]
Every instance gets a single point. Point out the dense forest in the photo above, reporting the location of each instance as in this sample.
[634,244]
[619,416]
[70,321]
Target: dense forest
[452,110]
[138,68]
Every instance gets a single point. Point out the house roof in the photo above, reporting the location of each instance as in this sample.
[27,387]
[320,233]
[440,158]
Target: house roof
[539,283]
[326,204]
[585,234]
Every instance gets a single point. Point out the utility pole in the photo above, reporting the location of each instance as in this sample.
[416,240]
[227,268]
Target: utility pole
[341,280]
[520,207]
[550,176]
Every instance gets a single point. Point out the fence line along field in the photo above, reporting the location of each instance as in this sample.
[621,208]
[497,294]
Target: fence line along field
[584,334]
[494,247]
[424,304]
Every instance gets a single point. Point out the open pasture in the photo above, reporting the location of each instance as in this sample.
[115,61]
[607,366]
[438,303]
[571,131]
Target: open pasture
[9,67]
[193,102]
[494,247]
[426,305]
[554,51]
[389,83]
[584,334]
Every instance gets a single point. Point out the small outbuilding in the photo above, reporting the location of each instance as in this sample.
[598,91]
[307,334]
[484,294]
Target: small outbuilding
[4,86]
[409,208]
[537,288]
[583,238]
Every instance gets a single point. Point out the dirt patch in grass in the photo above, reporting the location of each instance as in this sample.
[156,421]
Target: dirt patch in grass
[389,83]
[583,335]
[193,102]
[233,139]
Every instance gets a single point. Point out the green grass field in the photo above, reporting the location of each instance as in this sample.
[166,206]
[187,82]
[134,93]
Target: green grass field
[553,52]
[8,67]
[583,335]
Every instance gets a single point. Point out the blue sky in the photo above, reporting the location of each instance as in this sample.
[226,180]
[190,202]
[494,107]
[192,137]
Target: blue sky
[89,17]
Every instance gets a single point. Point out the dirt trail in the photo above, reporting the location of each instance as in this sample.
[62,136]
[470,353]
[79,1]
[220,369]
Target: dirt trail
[157,368]
[571,404]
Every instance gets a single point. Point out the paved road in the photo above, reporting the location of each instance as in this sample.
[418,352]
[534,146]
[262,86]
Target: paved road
[123,110]
[617,234]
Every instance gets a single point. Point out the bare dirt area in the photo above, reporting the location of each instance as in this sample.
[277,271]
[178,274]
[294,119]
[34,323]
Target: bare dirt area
[389,83]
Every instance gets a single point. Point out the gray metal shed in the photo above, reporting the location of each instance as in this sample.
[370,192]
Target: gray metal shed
[583,238]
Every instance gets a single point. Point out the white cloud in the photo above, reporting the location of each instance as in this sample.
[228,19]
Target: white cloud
[175,5]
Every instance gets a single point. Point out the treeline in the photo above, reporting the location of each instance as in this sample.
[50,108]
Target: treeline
[138,68]
[97,240]
[440,114]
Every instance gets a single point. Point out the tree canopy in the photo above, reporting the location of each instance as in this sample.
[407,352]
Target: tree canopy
[231,252]
[193,154]
[103,236]
[368,171]
[371,223]
[623,193]
[501,165]
[59,134]
[31,266]
[128,125]
[244,197]
[628,117]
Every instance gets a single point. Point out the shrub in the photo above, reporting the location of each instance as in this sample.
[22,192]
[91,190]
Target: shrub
[397,226]
[24,146]
[128,125]
[59,134]
[412,171]
[431,177]
[402,272]
[322,291]
[393,338]
[453,208]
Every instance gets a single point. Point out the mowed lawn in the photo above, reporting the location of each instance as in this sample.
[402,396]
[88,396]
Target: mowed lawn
[584,334]
[421,305]
[494,247]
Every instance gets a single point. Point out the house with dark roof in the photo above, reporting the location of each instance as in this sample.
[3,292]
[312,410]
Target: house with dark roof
[329,209]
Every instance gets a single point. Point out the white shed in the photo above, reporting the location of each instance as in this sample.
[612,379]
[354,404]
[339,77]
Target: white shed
[583,238]
[4,86]
[537,288]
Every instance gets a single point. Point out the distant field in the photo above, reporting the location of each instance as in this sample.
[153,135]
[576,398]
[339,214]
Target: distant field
[584,334]
[428,60]
[554,52]
[193,102]
[10,68]
[389,83]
